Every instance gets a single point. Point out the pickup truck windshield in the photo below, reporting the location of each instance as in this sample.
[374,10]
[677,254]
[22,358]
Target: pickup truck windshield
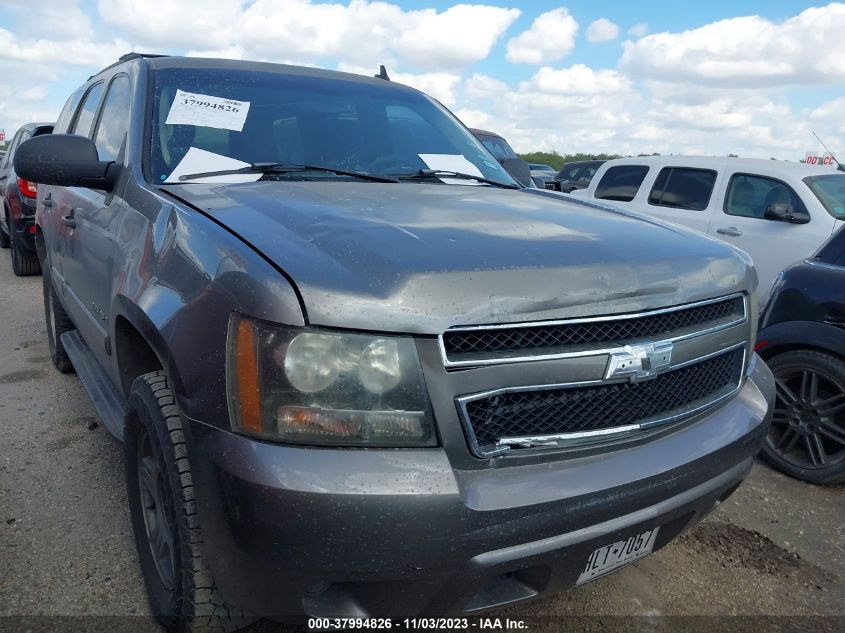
[830,190]
[292,119]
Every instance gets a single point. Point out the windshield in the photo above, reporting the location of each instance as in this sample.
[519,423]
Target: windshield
[830,190]
[497,146]
[230,118]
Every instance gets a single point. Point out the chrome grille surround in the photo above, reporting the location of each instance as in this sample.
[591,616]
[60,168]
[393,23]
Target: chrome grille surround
[641,324]
[600,434]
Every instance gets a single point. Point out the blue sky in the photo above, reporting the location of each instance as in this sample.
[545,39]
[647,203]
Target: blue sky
[717,77]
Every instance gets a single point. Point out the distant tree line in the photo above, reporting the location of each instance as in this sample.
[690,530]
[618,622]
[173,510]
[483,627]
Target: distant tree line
[557,160]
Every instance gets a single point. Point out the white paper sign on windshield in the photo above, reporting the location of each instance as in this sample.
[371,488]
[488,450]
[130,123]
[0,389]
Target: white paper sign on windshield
[189,108]
[199,161]
[451,162]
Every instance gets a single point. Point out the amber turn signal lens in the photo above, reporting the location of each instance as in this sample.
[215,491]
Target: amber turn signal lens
[246,374]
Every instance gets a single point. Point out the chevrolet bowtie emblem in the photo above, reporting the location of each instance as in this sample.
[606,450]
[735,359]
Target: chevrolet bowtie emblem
[639,362]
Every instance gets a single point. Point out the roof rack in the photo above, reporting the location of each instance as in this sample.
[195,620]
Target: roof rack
[127,57]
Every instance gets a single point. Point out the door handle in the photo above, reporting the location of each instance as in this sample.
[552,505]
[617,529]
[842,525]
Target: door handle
[48,200]
[70,219]
[729,230]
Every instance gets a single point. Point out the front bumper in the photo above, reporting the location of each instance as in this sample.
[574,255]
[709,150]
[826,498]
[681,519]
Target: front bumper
[327,532]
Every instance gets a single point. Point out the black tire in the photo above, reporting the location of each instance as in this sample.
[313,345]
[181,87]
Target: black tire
[5,236]
[168,537]
[58,322]
[23,264]
[807,437]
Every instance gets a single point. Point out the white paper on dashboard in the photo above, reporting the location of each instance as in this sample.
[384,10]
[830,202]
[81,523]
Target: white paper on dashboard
[191,108]
[452,162]
[198,161]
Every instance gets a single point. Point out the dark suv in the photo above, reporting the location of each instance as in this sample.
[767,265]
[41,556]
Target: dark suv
[356,369]
[17,223]
[802,338]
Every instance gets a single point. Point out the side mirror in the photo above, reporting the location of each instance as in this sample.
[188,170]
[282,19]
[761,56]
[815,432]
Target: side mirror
[783,212]
[553,185]
[66,160]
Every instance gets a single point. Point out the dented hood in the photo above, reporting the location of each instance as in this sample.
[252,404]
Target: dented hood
[420,258]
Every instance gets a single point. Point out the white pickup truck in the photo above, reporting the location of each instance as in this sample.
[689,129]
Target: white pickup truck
[777,211]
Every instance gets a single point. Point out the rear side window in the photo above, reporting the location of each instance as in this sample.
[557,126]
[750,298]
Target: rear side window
[683,188]
[568,172]
[497,146]
[67,112]
[749,196]
[621,182]
[7,159]
[85,119]
[114,121]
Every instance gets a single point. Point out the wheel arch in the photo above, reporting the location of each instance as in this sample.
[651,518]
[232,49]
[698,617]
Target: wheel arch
[138,346]
[789,336]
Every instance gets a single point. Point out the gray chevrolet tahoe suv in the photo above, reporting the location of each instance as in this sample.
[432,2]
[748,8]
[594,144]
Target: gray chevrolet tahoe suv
[356,369]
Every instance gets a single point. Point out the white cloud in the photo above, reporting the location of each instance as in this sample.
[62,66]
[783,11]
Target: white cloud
[602,30]
[550,38]
[360,32]
[460,36]
[50,51]
[52,19]
[638,30]
[442,86]
[481,86]
[187,23]
[746,51]
[578,80]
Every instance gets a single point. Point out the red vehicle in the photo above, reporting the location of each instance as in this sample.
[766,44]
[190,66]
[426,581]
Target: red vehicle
[17,223]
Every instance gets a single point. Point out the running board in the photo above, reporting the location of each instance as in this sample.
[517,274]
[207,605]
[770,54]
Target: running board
[107,400]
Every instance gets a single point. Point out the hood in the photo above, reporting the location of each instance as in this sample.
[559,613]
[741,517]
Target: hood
[419,258]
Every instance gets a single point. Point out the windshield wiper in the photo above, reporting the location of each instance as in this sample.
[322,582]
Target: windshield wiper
[280,168]
[440,173]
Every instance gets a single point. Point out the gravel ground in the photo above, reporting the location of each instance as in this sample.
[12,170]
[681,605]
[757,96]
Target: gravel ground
[776,548]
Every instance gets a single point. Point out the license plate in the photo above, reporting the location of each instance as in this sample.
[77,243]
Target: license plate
[611,557]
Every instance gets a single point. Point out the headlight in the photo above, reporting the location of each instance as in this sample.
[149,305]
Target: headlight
[329,388]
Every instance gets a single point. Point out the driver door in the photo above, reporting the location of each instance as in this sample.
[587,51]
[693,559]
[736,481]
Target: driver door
[772,244]
[88,218]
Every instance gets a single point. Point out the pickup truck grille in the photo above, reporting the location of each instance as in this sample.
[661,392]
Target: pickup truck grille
[497,344]
[578,413]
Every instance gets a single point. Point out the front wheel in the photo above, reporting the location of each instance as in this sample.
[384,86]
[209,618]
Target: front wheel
[807,437]
[168,537]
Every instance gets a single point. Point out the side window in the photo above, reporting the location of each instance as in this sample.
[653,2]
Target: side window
[683,188]
[621,182]
[85,118]
[114,120]
[498,147]
[749,196]
[63,122]
[571,172]
[7,159]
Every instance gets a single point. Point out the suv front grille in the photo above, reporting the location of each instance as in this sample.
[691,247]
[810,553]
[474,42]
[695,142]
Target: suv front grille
[596,411]
[487,344]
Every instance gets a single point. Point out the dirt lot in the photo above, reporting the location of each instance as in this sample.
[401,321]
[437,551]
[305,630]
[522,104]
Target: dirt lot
[776,548]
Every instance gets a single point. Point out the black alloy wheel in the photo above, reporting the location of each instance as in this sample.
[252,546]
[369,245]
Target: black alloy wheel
[807,435]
